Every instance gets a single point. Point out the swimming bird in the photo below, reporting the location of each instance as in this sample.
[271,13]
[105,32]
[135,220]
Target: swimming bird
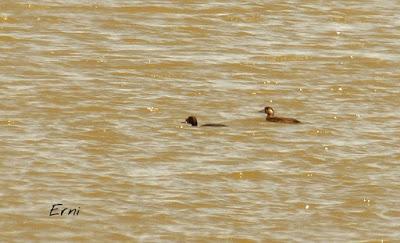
[272,118]
[192,120]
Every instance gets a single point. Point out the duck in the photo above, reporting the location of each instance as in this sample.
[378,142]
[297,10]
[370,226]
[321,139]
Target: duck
[192,120]
[272,118]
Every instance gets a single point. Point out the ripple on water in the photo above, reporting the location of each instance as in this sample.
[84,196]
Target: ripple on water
[91,116]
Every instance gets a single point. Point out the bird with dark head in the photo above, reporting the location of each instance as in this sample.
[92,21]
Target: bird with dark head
[272,118]
[192,120]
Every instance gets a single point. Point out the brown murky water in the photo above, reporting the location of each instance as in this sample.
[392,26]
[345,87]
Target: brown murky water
[93,95]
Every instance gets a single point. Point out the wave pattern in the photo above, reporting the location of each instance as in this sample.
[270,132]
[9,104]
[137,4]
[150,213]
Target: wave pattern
[93,95]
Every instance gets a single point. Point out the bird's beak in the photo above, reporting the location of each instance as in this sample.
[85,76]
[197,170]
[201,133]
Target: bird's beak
[184,122]
[262,111]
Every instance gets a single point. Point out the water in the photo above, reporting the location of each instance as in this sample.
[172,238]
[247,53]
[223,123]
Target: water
[93,95]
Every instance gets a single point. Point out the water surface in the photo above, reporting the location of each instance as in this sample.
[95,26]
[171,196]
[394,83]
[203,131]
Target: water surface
[93,95]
